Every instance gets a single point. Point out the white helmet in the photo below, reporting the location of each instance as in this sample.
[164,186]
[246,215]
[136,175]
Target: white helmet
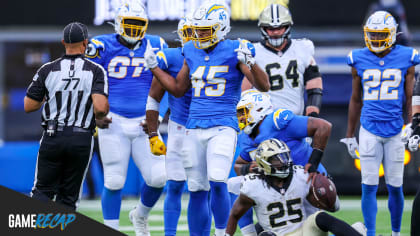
[212,17]
[380,31]
[252,108]
[184,29]
[270,150]
[275,16]
[131,21]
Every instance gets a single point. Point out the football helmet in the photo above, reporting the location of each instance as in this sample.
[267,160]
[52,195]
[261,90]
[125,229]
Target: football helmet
[210,24]
[273,157]
[252,108]
[184,29]
[131,21]
[275,16]
[380,31]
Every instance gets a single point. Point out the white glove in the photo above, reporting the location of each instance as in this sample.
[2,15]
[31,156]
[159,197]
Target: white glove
[309,140]
[352,146]
[406,133]
[150,60]
[413,143]
[244,54]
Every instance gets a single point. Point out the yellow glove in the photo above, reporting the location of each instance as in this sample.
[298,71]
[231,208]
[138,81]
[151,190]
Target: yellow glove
[157,146]
[95,135]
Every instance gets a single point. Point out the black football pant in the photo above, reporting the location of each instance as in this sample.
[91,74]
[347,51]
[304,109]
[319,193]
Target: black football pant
[415,215]
[61,166]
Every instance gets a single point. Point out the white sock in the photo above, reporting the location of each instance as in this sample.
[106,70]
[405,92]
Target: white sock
[143,211]
[249,230]
[219,232]
[395,233]
[115,224]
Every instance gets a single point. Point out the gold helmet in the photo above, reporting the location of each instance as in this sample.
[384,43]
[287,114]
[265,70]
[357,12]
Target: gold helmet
[275,16]
[273,157]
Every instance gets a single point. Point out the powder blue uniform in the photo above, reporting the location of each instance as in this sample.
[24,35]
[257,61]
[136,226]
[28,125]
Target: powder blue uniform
[216,83]
[383,87]
[171,61]
[282,125]
[129,80]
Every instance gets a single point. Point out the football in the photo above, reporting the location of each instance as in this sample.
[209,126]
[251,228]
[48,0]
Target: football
[322,193]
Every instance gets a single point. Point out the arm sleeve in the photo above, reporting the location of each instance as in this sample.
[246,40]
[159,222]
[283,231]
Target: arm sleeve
[100,81]
[37,89]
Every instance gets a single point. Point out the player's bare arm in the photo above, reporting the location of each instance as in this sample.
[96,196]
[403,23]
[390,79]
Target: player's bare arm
[256,76]
[241,205]
[408,89]
[245,84]
[355,105]
[177,87]
[243,167]
[156,93]
[313,85]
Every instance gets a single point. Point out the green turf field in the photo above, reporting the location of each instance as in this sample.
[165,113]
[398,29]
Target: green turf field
[350,212]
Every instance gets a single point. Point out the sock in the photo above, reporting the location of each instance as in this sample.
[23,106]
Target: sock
[172,206]
[369,207]
[395,206]
[329,223]
[198,213]
[246,219]
[220,204]
[415,215]
[219,232]
[111,206]
[395,233]
[149,196]
[115,224]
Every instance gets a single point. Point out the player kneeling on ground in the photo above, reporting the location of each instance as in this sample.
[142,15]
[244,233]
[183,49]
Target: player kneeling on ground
[277,194]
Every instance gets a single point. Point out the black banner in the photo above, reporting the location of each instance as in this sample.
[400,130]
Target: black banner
[22,215]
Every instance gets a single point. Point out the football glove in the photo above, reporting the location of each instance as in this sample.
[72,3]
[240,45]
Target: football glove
[150,60]
[413,143]
[157,147]
[406,133]
[244,55]
[352,146]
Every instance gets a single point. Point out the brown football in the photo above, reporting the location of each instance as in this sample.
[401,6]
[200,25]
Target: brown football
[322,193]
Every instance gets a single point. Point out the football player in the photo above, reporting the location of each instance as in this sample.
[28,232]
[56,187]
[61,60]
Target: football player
[214,68]
[122,55]
[289,63]
[171,61]
[383,74]
[259,122]
[280,209]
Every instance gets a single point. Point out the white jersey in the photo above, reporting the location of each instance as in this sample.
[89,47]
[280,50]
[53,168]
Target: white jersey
[278,212]
[286,71]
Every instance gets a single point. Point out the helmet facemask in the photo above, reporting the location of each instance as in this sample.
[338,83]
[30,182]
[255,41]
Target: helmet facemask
[184,30]
[378,40]
[252,108]
[277,40]
[380,31]
[275,16]
[210,36]
[131,21]
[273,157]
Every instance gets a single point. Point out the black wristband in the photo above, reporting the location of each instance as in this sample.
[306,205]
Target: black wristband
[153,134]
[313,114]
[245,169]
[315,159]
[415,124]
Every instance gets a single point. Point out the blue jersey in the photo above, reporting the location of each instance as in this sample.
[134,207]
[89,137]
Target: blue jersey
[383,82]
[216,83]
[129,80]
[282,125]
[171,61]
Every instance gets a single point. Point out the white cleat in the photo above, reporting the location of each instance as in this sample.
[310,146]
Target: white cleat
[360,227]
[140,224]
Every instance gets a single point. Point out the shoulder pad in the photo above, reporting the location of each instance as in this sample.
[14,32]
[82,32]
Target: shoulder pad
[93,48]
[306,45]
[156,41]
[281,118]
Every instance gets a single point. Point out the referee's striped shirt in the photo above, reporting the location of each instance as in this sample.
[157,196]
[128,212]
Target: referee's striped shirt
[67,85]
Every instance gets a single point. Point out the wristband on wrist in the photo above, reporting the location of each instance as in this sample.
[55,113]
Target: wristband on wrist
[315,159]
[245,169]
[153,134]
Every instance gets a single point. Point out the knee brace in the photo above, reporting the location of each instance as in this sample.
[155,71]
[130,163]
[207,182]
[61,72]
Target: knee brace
[114,182]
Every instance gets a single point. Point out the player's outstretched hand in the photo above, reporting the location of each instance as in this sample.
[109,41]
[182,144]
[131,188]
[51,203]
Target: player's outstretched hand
[103,123]
[150,60]
[157,146]
[244,54]
[352,146]
[406,133]
[413,143]
[312,172]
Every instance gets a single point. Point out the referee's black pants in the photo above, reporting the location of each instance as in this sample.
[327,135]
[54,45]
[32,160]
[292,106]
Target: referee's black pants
[61,166]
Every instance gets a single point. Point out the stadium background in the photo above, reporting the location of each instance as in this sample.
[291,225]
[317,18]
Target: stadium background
[30,34]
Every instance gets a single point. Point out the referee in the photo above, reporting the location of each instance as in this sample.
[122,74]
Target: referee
[75,92]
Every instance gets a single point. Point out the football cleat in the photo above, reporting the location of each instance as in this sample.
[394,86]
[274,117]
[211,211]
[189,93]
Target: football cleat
[140,224]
